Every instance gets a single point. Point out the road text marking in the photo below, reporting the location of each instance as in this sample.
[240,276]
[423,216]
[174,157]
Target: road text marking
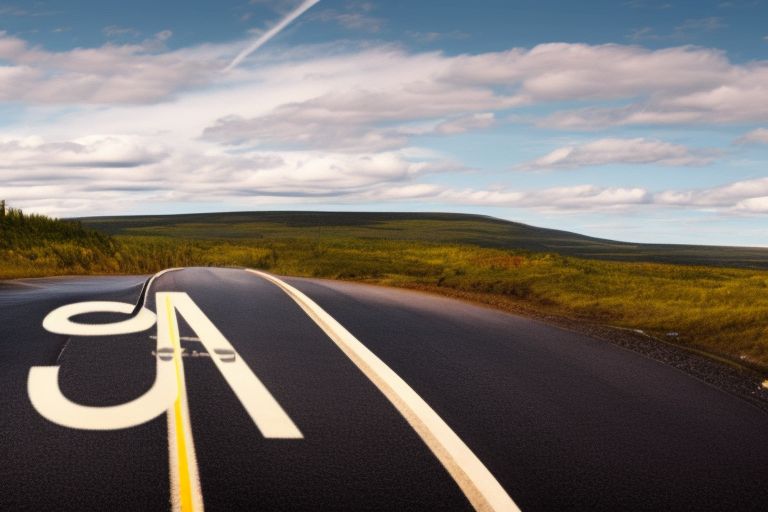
[168,394]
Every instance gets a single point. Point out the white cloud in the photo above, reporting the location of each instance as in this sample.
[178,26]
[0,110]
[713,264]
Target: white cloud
[360,102]
[753,205]
[338,123]
[580,197]
[132,73]
[466,123]
[736,196]
[96,170]
[103,151]
[618,151]
[667,86]
[354,16]
[351,20]
[283,129]
[756,136]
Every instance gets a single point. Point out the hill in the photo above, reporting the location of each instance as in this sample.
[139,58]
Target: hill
[440,228]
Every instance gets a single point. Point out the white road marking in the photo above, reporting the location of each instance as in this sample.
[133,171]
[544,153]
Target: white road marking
[58,321]
[267,414]
[48,400]
[478,484]
[43,381]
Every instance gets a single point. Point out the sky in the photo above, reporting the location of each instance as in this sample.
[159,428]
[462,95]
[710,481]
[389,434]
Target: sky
[637,120]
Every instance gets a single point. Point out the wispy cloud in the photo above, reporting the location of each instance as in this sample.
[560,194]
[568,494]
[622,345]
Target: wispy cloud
[463,124]
[118,31]
[355,16]
[26,11]
[431,37]
[619,151]
[688,29]
[756,136]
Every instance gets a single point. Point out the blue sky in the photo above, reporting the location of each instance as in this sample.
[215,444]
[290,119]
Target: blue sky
[636,120]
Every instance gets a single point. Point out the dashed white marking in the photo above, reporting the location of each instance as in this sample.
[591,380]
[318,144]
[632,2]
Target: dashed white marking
[478,484]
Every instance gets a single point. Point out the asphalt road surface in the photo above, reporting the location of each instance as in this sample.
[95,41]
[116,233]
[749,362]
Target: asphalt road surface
[230,390]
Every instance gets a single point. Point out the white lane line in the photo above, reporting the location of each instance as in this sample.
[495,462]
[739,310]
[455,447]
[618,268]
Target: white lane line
[478,484]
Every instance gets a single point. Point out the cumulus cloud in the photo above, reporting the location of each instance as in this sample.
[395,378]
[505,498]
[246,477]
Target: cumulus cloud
[111,151]
[338,123]
[667,86]
[580,197]
[725,197]
[757,136]
[753,205]
[618,151]
[364,116]
[741,197]
[47,175]
[131,73]
[682,85]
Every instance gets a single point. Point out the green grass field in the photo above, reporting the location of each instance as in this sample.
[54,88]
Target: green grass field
[715,298]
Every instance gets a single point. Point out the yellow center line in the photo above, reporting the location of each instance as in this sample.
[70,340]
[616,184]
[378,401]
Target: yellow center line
[185,485]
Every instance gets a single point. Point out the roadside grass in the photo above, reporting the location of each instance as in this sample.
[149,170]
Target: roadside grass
[719,310]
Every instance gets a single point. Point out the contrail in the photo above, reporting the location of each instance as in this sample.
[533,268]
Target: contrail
[304,7]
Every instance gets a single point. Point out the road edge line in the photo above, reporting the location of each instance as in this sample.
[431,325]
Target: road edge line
[478,484]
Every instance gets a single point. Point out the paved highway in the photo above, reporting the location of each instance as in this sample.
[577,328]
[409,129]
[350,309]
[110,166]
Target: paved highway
[233,390]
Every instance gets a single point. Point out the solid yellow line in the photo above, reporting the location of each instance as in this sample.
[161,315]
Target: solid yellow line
[185,486]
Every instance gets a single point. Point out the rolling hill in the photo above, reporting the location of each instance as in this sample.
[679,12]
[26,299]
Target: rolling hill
[440,228]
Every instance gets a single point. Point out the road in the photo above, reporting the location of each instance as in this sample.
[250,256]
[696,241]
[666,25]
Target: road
[248,393]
